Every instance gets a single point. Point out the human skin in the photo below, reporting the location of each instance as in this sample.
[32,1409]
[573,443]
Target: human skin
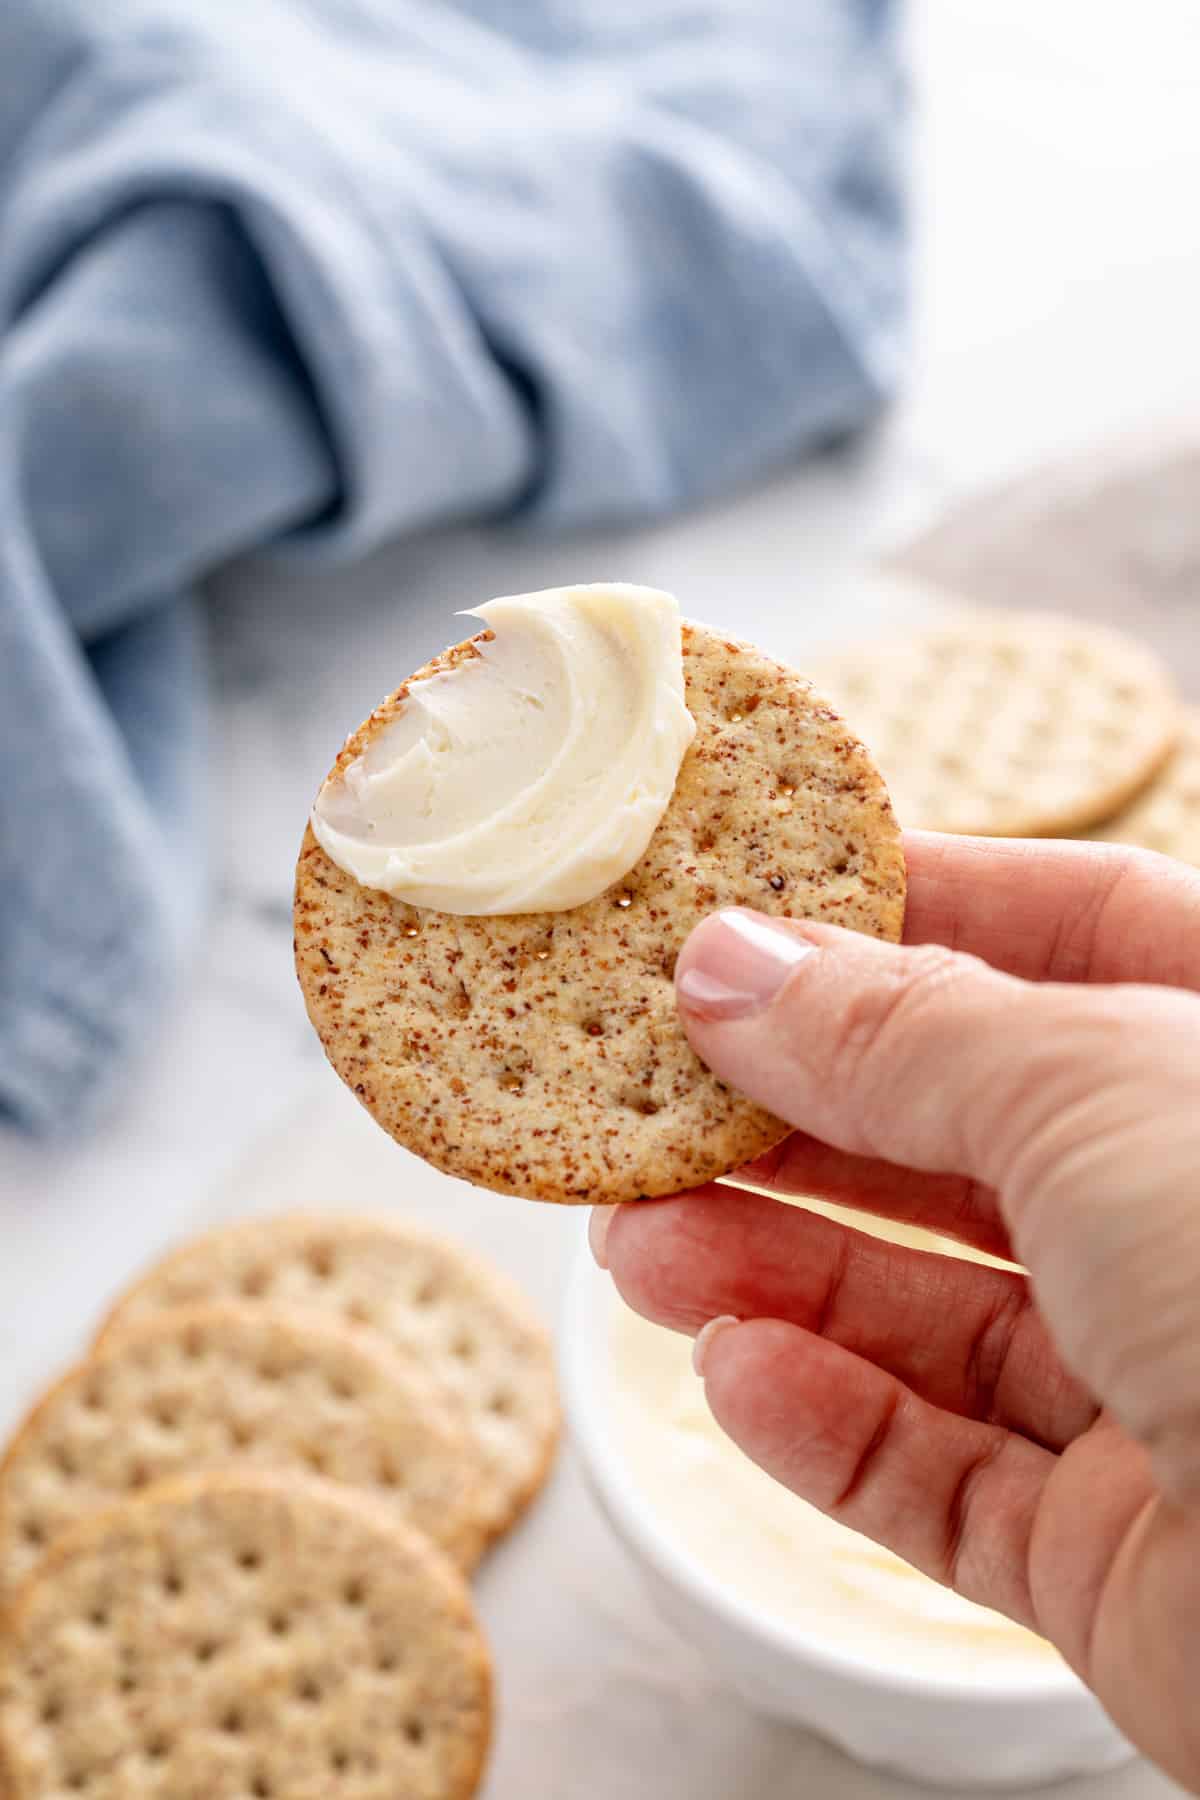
[1023,1075]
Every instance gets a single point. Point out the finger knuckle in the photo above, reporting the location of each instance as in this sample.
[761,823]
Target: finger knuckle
[881,1021]
[960,1513]
[989,1349]
[871,1456]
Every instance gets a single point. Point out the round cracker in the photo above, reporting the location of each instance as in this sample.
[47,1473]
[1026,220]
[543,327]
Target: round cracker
[1167,816]
[1008,724]
[469,1330]
[243,1635]
[541,1054]
[206,1386]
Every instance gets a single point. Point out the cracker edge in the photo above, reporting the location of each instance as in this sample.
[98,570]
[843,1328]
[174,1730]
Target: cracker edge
[510,1293]
[989,622]
[470,1540]
[310,1489]
[891,860]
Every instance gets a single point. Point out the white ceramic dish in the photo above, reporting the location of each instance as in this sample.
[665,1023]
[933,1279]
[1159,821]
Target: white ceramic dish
[1016,1734]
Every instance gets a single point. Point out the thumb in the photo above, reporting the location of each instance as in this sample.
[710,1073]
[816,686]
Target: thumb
[1080,1106]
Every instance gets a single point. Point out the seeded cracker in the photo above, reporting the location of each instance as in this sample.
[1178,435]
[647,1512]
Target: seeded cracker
[541,1054]
[454,1321]
[1008,724]
[203,1387]
[243,1637]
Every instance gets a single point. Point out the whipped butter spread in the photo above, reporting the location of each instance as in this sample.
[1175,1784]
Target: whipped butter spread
[777,1553]
[531,777]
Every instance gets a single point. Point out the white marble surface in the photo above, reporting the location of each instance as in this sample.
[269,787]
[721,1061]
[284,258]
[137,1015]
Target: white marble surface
[1058,170]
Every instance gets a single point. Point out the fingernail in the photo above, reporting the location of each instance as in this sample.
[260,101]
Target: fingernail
[599,1225]
[734,965]
[705,1336]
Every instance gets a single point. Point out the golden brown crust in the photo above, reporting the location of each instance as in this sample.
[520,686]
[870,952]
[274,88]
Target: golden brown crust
[209,1386]
[427,1298]
[240,1633]
[541,1054]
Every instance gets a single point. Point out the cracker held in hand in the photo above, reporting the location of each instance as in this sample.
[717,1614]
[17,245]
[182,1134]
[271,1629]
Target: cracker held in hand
[1167,816]
[1008,724]
[540,1054]
[458,1323]
[203,1387]
[243,1637]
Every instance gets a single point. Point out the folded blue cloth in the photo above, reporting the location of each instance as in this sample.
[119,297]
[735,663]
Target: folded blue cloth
[314,272]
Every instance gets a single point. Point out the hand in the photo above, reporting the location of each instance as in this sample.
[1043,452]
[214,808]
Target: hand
[1033,1441]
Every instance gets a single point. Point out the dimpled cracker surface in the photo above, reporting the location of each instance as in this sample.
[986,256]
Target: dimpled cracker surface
[1008,724]
[541,1054]
[243,1637]
[1167,816]
[206,1386]
[468,1329]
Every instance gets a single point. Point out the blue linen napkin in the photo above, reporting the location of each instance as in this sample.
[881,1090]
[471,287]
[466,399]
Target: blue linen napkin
[314,272]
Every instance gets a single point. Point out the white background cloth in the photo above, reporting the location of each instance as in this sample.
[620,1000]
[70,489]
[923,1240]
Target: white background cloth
[1059,274]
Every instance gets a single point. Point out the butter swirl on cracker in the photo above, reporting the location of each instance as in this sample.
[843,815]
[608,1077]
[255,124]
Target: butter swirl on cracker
[531,776]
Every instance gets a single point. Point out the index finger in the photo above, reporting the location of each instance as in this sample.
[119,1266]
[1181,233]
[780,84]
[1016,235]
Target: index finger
[954,1206]
[1050,911]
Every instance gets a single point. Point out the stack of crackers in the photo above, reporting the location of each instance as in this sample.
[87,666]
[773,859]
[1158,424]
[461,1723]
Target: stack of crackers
[1014,724]
[234,1539]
